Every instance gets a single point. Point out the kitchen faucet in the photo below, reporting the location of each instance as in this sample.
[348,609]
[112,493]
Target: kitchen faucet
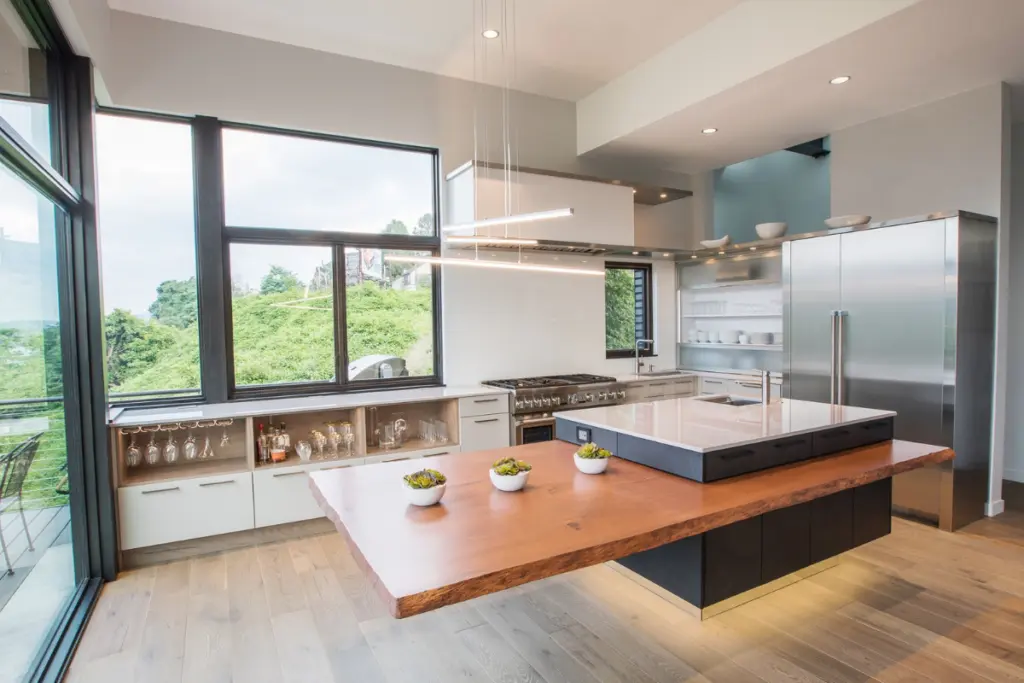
[636,349]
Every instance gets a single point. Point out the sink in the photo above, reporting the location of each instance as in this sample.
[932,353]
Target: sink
[729,400]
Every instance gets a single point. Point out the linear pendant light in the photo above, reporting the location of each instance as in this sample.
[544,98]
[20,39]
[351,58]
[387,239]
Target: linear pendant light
[479,239]
[504,265]
[510,220]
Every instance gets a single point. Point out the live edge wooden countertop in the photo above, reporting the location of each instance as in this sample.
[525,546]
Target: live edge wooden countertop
[479,540]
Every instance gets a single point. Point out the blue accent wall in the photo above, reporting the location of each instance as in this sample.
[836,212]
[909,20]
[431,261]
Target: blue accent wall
[781,186]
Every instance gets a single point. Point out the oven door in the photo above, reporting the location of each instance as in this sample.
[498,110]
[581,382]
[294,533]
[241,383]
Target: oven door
[533,429]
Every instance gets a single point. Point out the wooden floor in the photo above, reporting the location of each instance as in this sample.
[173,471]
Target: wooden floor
[919,605]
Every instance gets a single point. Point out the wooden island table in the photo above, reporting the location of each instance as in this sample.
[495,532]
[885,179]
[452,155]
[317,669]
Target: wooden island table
[704,542]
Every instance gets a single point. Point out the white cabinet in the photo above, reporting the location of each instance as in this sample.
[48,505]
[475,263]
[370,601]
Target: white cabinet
[682,387]
[483,405]
[710,385]
[483,432]
[282,494]
[176,510]
[751,388]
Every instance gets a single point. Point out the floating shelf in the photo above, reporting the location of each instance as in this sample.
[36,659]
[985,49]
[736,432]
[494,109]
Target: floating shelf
[732,315]
[731,347]
[183,469]
[738,283]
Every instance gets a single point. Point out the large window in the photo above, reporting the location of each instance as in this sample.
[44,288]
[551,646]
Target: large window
[627,308]
[148,240]
[310,226]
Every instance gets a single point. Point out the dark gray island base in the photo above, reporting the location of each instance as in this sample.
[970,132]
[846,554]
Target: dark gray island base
[732,564]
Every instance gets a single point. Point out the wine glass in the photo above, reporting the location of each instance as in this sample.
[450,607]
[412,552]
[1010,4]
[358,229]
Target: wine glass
[333,438]
[133,456]
[225,438]
[347,437]
[304,450]
[191,448]
[207,452]
[319,440]
[153,450]
[170,449]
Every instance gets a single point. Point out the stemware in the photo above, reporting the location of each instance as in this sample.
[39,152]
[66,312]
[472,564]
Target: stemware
[225,438]
[207,449]
[153,450]
[133,456]
[170,449]
[334,439]
[190,449]
[348,437]
[319,440]
[304,450]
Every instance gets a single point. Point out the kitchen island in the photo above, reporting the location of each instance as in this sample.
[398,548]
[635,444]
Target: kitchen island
[479,540]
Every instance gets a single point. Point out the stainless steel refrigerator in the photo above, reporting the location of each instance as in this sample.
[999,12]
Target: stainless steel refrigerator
[901,317]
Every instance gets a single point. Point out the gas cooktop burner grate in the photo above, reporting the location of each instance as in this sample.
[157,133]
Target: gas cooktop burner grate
[549,381]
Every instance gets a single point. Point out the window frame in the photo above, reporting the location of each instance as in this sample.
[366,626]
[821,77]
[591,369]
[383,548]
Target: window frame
[338,241]
[648,308]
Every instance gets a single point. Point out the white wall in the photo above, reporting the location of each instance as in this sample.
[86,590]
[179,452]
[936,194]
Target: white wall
[1015,380]
[949,154]
[668,225]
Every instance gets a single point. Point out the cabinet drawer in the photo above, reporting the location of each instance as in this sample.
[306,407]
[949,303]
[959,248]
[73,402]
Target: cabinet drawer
[751,388]
[759,456]
[852,436]
[282,494]
[483,405]
[710,385]
[683,387]
[483,432]
[152,514]
[654,391]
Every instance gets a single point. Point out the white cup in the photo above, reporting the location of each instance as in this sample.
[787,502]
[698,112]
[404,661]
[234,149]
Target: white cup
[744,339]
[713,337]
[702,336]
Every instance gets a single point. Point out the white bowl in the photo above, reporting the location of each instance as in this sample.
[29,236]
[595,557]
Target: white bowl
[769,231]
[590,465]
[851,221]
[762,338]
[715,244]
[730,336]
[504,482]
[424,497]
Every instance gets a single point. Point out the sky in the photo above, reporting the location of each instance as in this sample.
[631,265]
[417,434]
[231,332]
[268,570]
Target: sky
[145,189]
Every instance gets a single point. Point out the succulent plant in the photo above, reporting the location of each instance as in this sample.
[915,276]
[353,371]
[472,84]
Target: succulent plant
[509,467]
[425,479]
[591,451]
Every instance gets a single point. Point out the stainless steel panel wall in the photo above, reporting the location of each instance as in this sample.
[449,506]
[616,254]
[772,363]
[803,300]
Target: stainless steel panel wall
[812,290]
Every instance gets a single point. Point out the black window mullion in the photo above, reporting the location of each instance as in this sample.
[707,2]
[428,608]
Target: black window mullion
[340,317]
[212,273]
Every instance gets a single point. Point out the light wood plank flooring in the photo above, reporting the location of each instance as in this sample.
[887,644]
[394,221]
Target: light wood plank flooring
[916,606]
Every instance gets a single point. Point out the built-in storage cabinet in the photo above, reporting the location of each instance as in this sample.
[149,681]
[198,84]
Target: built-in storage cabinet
[231,487]
[654,389]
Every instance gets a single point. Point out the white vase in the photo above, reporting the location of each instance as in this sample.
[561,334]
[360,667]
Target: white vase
[424,497]
[509,482]
[590,465]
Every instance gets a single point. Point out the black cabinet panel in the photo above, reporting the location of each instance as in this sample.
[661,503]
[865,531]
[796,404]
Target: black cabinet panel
[785,541]
[672,459]
[831,525]
[872,511]
[852,436]
[579,434]
[732,560]
[676,567]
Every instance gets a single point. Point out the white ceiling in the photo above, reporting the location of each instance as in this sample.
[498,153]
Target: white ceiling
[565,48]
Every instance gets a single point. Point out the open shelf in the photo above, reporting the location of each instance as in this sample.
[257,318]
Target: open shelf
[732,315]
[731,347]
[292,460]
[148,474]
[409,446]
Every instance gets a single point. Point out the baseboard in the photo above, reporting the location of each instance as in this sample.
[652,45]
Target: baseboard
[995,508]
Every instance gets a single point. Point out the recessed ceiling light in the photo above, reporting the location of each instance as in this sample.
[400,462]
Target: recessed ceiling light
[634,191]
[616,182]
[663,195]
[709,131]
[635,253]
[721,253]
[666,254]
[839,80]
[491,33]
[753,249]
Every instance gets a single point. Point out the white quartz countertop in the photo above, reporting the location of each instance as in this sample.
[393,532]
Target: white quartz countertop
[741,375]
[131,417]
[703,427]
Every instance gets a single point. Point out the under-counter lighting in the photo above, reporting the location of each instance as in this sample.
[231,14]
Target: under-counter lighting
[636,253]
[721,253]
[693,256]
[476,239]
[490,33]
[510,220]
[839,80]
[503,265]
[634,190]
[664,195]
[666,254]
[753,249]
[709,131]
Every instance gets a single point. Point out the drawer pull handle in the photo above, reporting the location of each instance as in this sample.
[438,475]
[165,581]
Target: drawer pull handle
[217,483]
[485,400]
[490,419]
[431,455]
[170,488]
[657,384]
[287,474]
[396,459]
[750,385]
[738,454]
[713,381]
[788,444]
[836,434]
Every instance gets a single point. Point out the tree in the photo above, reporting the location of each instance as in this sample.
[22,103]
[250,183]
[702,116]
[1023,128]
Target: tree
[134,345]
[619,309]
[396,227]
[177,303]
[425,225]
[279,280]
[323,278]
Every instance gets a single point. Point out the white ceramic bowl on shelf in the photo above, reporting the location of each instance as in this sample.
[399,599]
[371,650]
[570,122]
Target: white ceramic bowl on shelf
[850,221]
[513,482]
[761,338]
[424,497]
[770,231]
[590,465]
[715,244]
[730,336]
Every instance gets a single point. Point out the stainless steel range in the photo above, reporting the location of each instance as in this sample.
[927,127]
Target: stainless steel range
[535,398]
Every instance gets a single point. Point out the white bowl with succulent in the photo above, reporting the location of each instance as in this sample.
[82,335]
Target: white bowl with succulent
[509,474]
[591,458]
[424,487]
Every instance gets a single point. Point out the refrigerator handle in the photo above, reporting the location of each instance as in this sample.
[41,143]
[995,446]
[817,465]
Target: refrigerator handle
[832,362]
[840,341]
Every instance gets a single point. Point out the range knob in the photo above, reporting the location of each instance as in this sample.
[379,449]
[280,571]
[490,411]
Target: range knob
[622,393]
[574,399]
[588,397]
[547,401]
[520,404]
[603,396]
[528,402]
[557,400]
